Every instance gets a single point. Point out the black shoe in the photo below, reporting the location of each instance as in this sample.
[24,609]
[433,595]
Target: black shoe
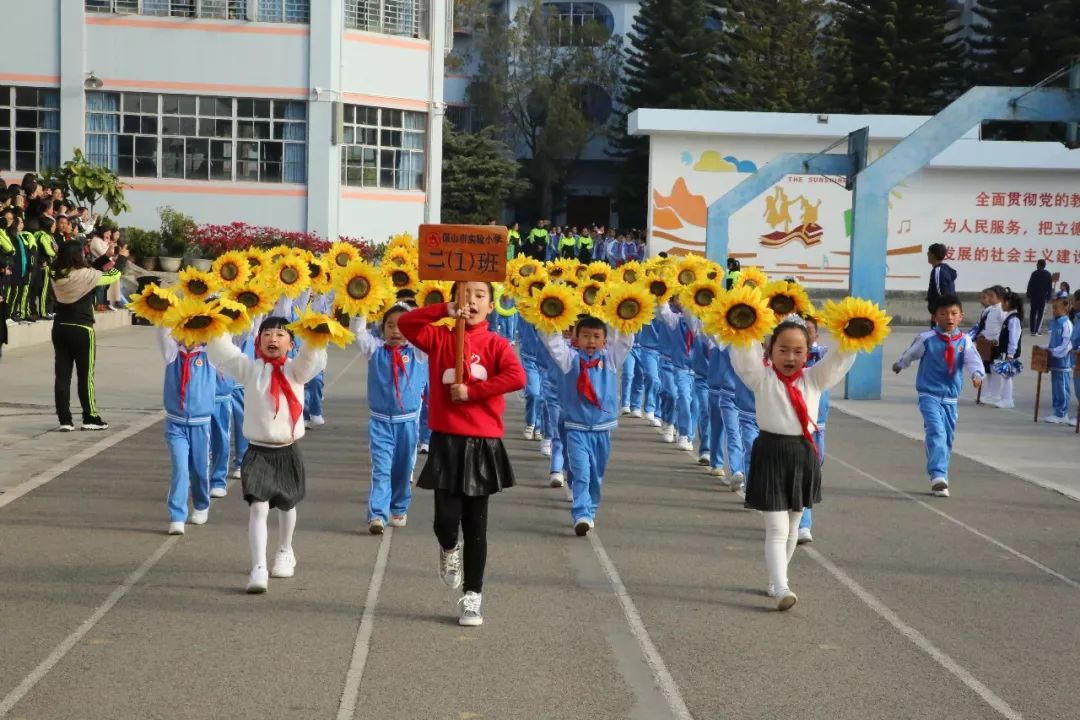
[95,423]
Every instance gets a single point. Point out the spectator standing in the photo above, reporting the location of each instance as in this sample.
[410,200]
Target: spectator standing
[942,277]
[1040,290]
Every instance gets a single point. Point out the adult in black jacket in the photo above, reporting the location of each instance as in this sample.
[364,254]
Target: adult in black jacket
[942,277]
[1039,291]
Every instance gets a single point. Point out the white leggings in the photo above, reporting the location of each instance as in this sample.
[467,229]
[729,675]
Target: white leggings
[781,535]
[1005,387]
[993,387]
[257,518]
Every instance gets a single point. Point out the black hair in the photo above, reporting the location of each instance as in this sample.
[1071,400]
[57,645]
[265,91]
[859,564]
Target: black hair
[590,323]
[276,322]
[396,309]
[662,254]
[938,250]
[944,301]
[810,320]
[70,256]
[454,289]
[1041,264]
[405,293]
[1015,301]
[789,325]
[1064,286]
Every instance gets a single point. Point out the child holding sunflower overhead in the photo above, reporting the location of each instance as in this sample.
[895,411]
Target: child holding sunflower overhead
[272,473]
[397,379]
[467,463]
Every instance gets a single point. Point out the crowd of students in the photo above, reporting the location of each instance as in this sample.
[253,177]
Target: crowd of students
[546,243]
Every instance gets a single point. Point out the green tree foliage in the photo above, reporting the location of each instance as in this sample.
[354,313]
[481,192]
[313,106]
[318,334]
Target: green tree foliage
[88,183]
[479,176]
[535,79]
[892,56]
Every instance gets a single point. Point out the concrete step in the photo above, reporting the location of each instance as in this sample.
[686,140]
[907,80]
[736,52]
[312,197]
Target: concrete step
[41,331]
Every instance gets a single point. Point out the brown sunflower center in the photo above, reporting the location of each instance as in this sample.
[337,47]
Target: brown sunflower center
[199,322]
[741,316]
[658,287]
[358,288]
[704,297]
[552,307]
[229,313]
[400,278]
[314,270]
[859,328]
[156,302]
[342,317]
[322,329]
[341,259]
[782,304]
[533,287]
[197,287]
[527,270]
[589,294]
[628,309]
[229,272]
[248,299]
[598,277]
[434,298]
[253,262]
[289,275]
[630,276]
[556,272]
[687,276]
[750,283]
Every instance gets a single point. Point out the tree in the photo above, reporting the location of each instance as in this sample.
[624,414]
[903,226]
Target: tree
[537,84]
[88,183]
[893,56]
[675,59]
[479,176]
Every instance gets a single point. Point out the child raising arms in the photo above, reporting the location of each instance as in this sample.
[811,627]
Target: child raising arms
[467,461]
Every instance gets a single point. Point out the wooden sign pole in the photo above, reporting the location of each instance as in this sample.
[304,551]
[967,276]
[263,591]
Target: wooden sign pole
[1038,396]
[1040,363]
[459,334]
[986,351]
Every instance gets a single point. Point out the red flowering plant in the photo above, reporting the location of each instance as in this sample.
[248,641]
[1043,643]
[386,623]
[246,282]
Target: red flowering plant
[215,240]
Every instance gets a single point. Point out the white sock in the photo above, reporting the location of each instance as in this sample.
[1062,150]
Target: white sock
[257,516]
[1006,389]
[993,385]
[781,536]
[286,527]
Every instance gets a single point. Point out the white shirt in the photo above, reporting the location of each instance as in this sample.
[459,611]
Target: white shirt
[995,318]
[775,413]
[262,425]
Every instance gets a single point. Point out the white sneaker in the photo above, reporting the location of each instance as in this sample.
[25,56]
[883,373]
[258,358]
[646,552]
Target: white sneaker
[738,480]
[470,610]
[538,436]
[990,399]
[939,487]
[528,434]
[656,422]
[258,581]
[557,480]
[684,443]
[650,416]
[1069,421]
[669,435]
[218,492]
[176,528]
[66,428]
[785,599]
[399,520]
[704,459]
[450,566]
[1005,404]
[376,526]
[804,536]
[284,564]
[625,410]
[317,420]
[308,424]
[424,449]
[636,413]
[545,447]
[1053,420]
[199,517]
[235,474]
[717,472]
[582,527]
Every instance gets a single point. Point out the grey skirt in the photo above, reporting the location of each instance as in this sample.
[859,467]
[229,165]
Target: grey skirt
[274,475]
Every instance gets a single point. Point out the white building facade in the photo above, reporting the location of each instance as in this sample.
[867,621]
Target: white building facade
[317,115]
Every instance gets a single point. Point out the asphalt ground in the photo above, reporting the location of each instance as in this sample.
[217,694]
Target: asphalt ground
[909,606]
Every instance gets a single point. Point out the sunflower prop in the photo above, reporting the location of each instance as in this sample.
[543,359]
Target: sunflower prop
[255,297]
[522,267]
[400,257]
[317,330]
[341,254]
[235,312]
[231,269]
[563,268]
[752,277]
[628,307]
[434,292]
[553,309]
[598,272]
[629,272]
[591,293]
[857,324]
[504,300]
[195,323]
[375,313]
[689,270]
[403,241]
[256,260]
[359,288]
[197,284]
[699,297]
[533,284]
[153,304]
[660,286]
[278,253]
[290,274]
[786,298]
[401,276]
[319,273]
[740,317]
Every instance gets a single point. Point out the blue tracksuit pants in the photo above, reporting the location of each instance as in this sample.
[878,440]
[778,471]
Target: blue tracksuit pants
[819,440]
[748,432]
[939,425]
[393,455]
[220,427]
[626,380]
[553,422]
[507,326]
[532,392]
[726,434]
[189,452]
[684,400]
[1059,391]
[649,360]
[666,395]
[700,412]
[313,395]
[425,431]
[588,451]
[240,443]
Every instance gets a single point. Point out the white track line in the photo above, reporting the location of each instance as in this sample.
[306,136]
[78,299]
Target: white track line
[959,523]
[1003,708]
[71,640]
[78,458]
[351,693]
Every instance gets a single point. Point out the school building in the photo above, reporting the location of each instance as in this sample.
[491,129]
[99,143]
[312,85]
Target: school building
[320,115]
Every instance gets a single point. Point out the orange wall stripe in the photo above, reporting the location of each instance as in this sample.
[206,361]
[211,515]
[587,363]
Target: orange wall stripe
[403,103]
[28,78]
[676,239]
[216,189]
[111,83]
[387,40]
[241,27]
[384,196]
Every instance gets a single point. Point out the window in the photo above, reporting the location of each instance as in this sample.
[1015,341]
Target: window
[390,17]
[580,23]
[266,10]
[29,128]
[383,148]
[292,11]
[198,137]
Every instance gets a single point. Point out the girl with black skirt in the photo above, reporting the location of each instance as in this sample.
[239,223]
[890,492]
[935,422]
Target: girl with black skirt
[785,474]
[467,461]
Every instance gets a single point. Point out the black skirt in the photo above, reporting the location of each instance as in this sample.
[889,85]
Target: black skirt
[785,474]
[465,465]
[273,475]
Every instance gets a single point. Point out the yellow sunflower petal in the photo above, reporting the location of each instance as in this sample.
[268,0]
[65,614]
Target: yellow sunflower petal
[341,254]
[628,307]
[629,272]
[359,288]
[752,277]
[195,323]
[698,297]
[689,270]
[289,274]
[858,325]
[788,298]
[318,329]
[231,269]
[740,317]
[255,296]
[598,272]
[553,309]
[401,277]
[256,259]
[660,285]
[432,292]
[235,312]
[197,284]
[152,304]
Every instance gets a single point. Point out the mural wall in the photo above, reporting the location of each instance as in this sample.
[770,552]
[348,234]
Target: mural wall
[996,224]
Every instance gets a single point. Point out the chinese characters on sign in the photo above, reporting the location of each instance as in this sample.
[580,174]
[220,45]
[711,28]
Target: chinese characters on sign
[463,252]
[1016,229]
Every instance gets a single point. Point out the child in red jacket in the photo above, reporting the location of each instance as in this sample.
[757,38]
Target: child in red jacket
[467,461]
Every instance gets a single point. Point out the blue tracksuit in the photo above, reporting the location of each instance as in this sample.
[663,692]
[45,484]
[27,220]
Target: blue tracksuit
[529,350]
[674,340]
[746,406]
[220,424]
[394,423]
[627,380]
[187,425]
[314,388]
[649,358]
[1075,341]
[551,376]
[817,352]
[699,364]
[1061,363]
[588,427]
[724,420]
[938,388]
[239,442]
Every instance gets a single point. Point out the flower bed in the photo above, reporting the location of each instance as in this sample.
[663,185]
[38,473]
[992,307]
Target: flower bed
[215,240]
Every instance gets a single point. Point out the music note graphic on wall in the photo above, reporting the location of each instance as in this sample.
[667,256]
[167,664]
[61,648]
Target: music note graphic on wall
[905,227]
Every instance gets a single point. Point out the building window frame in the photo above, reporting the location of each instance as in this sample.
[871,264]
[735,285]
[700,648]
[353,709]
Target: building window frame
[29,128]
[384,148]
[407,18]
[281,11]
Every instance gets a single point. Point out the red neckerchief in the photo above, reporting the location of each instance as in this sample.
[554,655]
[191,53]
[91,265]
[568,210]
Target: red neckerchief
[185,373]
[397,367]
[279,385]
[689,340]
[798,402]
[950,351]
[584,383]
